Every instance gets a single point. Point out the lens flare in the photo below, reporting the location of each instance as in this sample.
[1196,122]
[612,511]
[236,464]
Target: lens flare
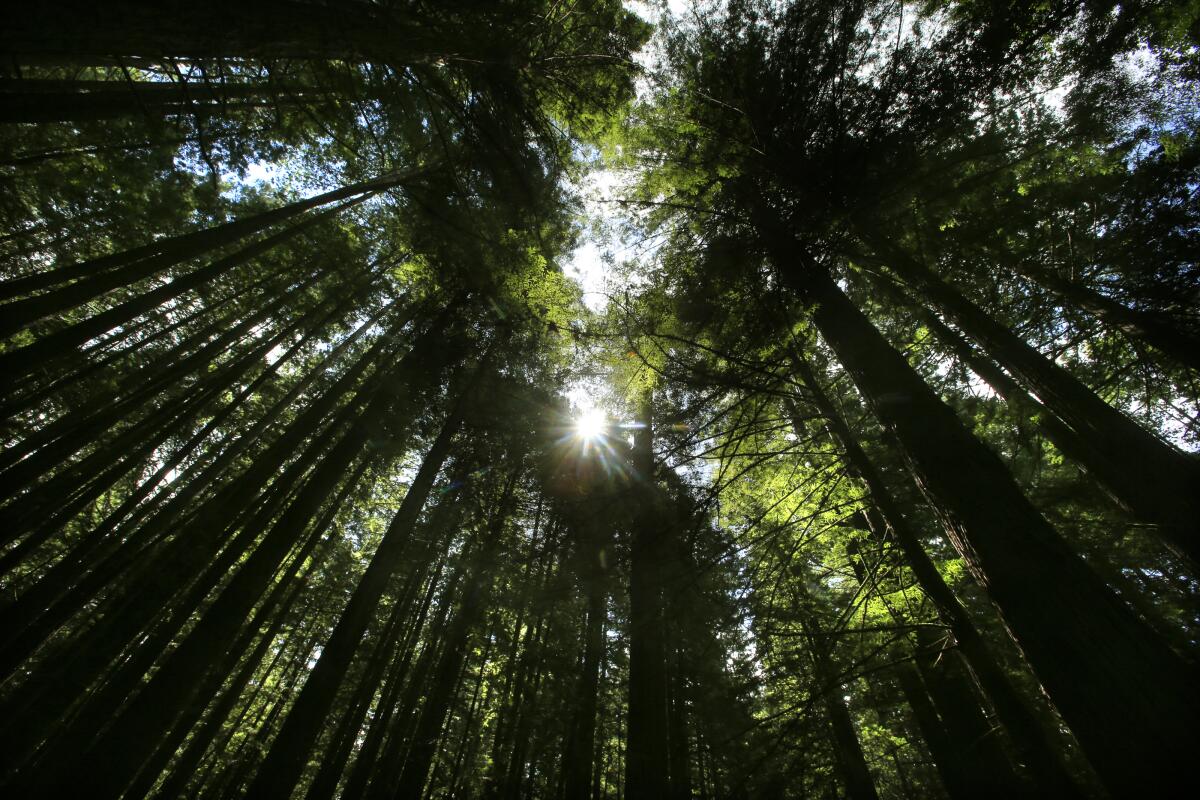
[590,424]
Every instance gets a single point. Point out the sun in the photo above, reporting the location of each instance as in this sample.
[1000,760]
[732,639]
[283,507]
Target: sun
[590,424]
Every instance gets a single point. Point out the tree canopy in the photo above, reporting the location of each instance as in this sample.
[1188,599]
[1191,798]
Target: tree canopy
[861,462]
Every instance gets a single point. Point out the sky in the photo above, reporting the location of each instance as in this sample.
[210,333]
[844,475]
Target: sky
[603,187]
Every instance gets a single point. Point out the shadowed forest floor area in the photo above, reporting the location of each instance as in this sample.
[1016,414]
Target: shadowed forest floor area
[575,399]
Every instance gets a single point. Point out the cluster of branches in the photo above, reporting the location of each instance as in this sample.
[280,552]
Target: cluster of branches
[292,505]
[933,342]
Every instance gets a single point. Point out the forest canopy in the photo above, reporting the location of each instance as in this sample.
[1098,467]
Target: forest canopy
[596,399]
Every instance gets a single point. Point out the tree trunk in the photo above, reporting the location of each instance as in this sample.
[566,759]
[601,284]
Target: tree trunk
[1028,734]
[440,692]
[577,759]
[285,761]
[96,276]
[1158,482]
[956,778]
[647,763]
[269,29]
[1081,640]
[1154,329]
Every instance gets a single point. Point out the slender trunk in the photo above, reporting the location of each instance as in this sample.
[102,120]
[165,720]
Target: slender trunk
[379,779]
[325,781]
[64,343]
[523,731]
[183,770]
[681,760]
[512,726]
[99,544]
[469,740]
[1080,639]
[192,551]
[113,759]
[283,764]
[96,276]
[843,736]
[1159,483]
[580,746]
[1029,736]
[37,627]
[1156,330]
[70,488]
[476,595]
[647,763]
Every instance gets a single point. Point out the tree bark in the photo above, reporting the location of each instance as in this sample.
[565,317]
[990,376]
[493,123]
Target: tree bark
[1029,736]
[1090,646]
[647,763]
[285,761]
[1159,483]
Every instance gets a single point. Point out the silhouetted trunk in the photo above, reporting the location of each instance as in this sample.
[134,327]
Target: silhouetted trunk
[1086,452]
[184,768]
[38,622]
[681,760]
[1156,481]
[65,342]
[580,744]
[960,784]
[190,554]
[113,760]
[1029,736]
[647,763]
[1156,330]
[512,729]
[849,759]
[390,726]
[471,606]
[78,32]
[99,275]
[980,751]
[283,764]
[337,751]
[1081,640]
